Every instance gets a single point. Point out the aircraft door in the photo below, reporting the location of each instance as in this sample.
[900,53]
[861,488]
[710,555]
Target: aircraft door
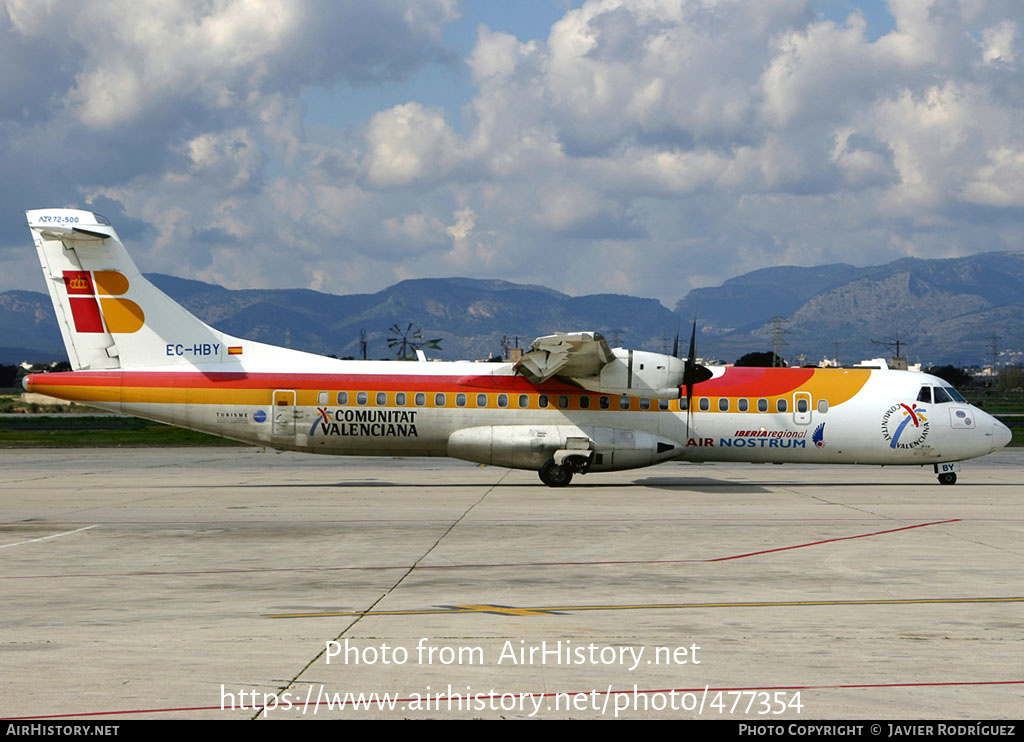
[284,413]
[802,408]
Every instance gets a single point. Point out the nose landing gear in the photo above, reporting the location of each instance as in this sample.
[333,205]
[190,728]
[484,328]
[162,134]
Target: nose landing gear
[947,472]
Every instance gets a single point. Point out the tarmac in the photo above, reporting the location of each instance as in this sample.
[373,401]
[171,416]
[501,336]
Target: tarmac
[217,583]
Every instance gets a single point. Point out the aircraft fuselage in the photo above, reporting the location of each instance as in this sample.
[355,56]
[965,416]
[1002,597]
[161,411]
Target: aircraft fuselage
[485,413]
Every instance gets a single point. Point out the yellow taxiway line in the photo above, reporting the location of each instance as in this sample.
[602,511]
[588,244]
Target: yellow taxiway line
[550,610]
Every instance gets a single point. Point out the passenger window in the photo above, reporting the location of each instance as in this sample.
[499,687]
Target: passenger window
[704,404]
[925,395]
[801,405]
[321,398]
[623,402]
[563,402]
[762,405]
[439,399]
[684,404]
[481,400]
[542,401]
[502,400]
[723,404]
[342,398]
[382,399]
[420,399]
[822,405]
[662,404]
[460,400]
[524,401]
[361,398]
[645,403]
[743,404]
[781,405]
[584,403]
[941,395]
[604,403]
[400,399]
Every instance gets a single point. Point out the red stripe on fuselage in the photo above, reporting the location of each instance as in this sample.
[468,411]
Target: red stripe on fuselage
[754,382]
[240,380]
[735,382]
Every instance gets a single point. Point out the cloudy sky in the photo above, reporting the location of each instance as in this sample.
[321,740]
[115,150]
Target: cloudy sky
[635,146]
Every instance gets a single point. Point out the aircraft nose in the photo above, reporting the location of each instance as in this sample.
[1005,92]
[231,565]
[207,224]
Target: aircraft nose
[1001,435]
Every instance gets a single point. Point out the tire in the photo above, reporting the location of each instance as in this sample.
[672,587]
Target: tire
[554,475]
[947,478]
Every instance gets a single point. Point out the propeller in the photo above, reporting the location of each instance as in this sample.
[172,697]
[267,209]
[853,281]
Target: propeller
[693,372]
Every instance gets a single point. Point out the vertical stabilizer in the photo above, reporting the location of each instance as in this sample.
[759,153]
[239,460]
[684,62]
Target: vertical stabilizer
[109,315]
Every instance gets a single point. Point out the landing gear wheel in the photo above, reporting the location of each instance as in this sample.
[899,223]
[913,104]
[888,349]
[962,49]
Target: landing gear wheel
[947,478]
[554,475]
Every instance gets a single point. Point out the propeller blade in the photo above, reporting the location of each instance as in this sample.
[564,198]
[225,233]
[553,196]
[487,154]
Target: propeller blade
[693,373]
[693,341]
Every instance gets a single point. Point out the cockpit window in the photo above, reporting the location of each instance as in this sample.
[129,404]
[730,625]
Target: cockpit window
[941,395]
[100,219]
[955,394]
[925,395]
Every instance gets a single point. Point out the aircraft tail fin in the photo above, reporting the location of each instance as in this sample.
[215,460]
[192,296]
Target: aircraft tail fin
[109,315]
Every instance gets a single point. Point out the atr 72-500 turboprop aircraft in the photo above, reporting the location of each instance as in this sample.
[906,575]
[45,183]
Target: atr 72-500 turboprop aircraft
[571,405]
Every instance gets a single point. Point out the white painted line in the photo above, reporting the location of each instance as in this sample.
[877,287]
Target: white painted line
[47,538]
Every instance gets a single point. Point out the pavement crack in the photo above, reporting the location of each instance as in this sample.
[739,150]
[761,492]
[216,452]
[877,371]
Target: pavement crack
[291,683]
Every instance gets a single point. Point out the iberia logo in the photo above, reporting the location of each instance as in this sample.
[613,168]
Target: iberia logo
[93,296]
[907,429]
[818,436]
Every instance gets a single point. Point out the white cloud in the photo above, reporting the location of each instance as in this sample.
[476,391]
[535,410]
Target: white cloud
[999,43]
[1000,183]
[408,143]
[642,145]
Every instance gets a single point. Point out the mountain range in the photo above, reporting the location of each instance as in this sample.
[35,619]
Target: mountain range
[942,311]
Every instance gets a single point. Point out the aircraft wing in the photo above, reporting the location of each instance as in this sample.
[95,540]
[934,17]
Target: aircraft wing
[570,354]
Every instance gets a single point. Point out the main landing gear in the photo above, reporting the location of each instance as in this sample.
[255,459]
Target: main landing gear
[554,475]
[559,475]
[947,477]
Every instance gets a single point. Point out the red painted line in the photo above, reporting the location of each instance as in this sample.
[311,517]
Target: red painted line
[832,540]
[482,565]
[552,694]
[114,713]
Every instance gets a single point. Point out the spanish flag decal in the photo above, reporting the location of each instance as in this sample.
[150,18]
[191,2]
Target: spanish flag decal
[234,350]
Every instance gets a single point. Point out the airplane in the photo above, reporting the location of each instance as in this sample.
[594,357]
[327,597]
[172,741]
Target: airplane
[571,405]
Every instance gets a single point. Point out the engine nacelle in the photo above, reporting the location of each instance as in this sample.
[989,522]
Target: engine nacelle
[637,373]
[530,446]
